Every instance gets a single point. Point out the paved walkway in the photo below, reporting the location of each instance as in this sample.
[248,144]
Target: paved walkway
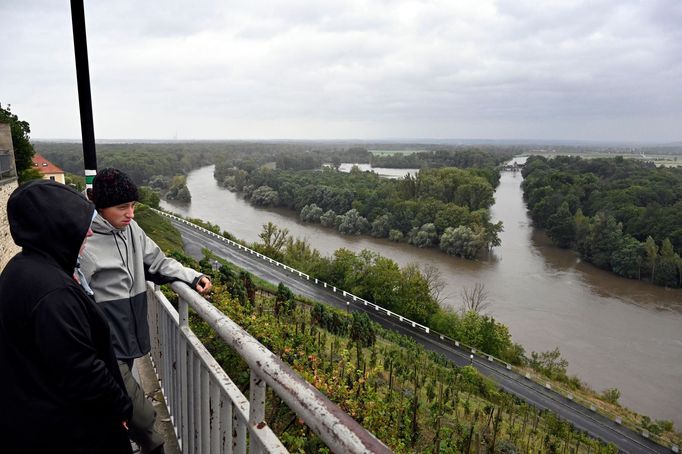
[144,373]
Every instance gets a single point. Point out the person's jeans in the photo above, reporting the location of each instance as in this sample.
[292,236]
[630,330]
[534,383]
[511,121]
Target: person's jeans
[141,424]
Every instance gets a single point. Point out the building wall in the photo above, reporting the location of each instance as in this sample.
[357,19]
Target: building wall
[8,248]
[58,177]
[7,186]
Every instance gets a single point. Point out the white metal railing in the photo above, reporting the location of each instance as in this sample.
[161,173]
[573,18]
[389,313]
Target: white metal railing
[209,412]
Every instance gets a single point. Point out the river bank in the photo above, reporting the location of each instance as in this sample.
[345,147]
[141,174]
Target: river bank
[614,332]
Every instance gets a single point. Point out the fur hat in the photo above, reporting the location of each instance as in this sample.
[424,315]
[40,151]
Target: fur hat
[112,187]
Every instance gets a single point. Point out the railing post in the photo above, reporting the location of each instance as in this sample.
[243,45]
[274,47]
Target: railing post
[196,403]
[256,407]
[183,430]
[226,417]
[206,411]
[215,423]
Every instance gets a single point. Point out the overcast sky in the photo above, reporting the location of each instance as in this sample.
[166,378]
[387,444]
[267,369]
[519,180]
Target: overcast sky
[348,69]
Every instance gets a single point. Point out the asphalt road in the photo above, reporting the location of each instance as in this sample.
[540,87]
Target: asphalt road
[581,417]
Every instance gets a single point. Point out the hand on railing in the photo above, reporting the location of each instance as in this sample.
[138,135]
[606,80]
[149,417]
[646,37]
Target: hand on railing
[203,285]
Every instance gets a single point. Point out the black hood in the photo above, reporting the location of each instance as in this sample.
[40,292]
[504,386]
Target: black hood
[50,218]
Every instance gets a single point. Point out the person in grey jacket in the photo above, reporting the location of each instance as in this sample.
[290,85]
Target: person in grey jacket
[120,258]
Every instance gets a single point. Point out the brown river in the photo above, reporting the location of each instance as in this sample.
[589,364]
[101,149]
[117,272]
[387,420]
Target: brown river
[614,332]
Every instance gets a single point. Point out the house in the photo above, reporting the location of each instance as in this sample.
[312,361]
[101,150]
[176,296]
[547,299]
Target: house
[48,170]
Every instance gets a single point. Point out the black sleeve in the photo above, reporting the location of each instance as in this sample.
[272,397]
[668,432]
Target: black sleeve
[157,278]
[64,337]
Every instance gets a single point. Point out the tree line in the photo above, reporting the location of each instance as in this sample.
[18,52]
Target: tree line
[143,162]
[463,157]
[621,215]
[409,291]
[439,207]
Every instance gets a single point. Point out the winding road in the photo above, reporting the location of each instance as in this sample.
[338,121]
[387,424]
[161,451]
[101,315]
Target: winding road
[581,417]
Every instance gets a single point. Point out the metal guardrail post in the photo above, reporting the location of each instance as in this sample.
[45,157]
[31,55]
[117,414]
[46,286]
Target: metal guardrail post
[196,405]
[183,374]
[257,389]
[205,412]
[215,421]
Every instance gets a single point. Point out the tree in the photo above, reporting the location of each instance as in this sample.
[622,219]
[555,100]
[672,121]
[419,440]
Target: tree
[265,196]
[434,279]
[380,281]
[494,338]
[183,195]
[178,190]
[274,240]
[415,300]
[561,227]
[381,226]
[605,238]
[311,213]
[328,218]
[627,260]
[452,216]
[475,299]
[666,273]
[426,236]
[353,224]
[651,251]
[23,150]
[490,235]
[343,269]
[284,300]
[362,330]
[550,363]
[149,196]
[475,195]
[582,232]
[395,235]
[461,241]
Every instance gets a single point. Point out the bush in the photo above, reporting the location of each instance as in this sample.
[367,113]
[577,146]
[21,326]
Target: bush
[328,219]
[395,235]
[311,213]
[611,395]
[550,363]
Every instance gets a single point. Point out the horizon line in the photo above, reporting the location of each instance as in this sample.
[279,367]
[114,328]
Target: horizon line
[414,140]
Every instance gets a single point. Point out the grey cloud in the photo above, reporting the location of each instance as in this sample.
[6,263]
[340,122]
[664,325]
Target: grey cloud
[379,68]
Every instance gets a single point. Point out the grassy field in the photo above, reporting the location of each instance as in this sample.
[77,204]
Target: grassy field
[159,229]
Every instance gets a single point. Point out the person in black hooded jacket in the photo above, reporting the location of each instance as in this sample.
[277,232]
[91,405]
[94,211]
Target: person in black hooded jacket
[60,387]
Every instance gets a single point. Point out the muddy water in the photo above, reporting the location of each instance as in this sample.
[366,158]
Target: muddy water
[614,332]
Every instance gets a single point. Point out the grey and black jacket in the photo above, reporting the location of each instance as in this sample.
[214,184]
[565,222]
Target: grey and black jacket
[117,262]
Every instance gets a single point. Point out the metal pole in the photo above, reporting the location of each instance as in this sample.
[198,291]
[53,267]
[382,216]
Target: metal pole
[80,46]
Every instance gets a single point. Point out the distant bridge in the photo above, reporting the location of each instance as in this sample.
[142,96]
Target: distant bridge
[514,166]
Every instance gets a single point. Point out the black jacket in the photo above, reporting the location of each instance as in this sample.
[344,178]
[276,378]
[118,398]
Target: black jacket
[60,387]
